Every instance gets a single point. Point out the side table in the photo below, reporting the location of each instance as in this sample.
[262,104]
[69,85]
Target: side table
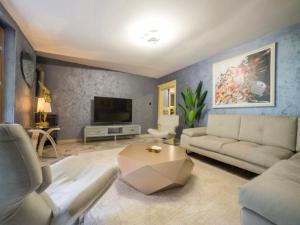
[45,134]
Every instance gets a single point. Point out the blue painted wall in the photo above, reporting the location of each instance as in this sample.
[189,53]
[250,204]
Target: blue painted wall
[287,74]
[19,99]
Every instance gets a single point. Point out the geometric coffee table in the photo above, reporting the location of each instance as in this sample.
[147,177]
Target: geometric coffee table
[150,172]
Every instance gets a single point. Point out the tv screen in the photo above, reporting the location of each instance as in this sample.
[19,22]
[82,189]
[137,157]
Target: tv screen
[112,110]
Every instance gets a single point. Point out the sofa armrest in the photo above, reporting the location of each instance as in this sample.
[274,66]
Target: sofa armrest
[194,132]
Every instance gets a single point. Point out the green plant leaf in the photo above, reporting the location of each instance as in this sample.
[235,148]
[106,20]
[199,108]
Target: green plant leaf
[189,98]
[194,99]
[194,104]
[202,99]
[183,97]
[199,88]
[199,111]
[183,113]
[192,118]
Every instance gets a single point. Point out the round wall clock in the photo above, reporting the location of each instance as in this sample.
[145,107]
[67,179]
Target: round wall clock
[27,68]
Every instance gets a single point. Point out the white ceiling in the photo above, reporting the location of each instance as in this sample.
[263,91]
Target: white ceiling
[100,32]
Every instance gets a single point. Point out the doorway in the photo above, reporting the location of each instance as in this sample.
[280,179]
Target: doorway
[1,72]
[167,98]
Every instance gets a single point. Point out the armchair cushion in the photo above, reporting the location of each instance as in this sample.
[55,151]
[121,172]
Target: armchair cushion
[194,132]
[158,133]
[167,124]
[77,184]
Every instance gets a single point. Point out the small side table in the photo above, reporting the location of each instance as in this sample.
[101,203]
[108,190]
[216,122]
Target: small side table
[45,134]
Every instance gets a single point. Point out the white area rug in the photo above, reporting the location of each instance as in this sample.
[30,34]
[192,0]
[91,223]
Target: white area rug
[209,198]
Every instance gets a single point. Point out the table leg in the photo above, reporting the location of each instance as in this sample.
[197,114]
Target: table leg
[42,144]
[45,135]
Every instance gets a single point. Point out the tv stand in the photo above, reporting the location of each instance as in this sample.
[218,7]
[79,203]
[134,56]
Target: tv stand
[98,131]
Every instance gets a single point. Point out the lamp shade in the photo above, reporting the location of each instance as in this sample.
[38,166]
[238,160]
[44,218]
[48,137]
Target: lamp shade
[40,105]
[47,107]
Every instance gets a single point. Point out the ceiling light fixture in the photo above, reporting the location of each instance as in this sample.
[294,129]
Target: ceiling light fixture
[152,36]
[151,32]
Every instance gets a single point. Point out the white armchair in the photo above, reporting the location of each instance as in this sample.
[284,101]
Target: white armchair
[166,126]
[35,195]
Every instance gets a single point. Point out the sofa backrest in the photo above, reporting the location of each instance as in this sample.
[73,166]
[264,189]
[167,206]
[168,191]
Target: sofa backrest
[224,125]
[278,131]
[252,128]
[298,136]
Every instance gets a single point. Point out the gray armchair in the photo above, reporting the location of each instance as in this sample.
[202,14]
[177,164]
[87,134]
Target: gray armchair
[23,199]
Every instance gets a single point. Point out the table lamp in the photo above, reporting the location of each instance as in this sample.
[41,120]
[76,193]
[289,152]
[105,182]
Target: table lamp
[47,109]
[43,108]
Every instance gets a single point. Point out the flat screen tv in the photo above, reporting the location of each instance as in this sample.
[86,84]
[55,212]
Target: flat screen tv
[112,110]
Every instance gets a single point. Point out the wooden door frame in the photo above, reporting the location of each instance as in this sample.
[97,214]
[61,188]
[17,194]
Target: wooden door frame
[161,87]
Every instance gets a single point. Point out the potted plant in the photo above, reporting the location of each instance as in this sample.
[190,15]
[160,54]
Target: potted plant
[193,105]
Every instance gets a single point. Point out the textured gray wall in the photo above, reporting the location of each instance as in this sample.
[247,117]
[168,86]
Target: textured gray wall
[287,74]
[19,102]
[73,88]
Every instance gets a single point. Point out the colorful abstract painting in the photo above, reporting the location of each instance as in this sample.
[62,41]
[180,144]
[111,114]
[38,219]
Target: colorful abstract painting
[247,80]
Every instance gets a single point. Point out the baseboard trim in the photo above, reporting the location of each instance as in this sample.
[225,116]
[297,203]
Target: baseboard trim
[144,135]
[68,141]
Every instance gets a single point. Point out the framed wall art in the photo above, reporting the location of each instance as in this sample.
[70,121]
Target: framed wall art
[247,80]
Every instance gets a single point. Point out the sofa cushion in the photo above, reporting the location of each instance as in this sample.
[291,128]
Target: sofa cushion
[280,131]
[224,125]
[251,218]
[298,136]
[252,129]
[211,143]
[274,194]
[194,132]
[262,155]
[296,158]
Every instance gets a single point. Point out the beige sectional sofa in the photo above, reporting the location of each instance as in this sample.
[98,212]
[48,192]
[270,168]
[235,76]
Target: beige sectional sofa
[254,143]
[273,197]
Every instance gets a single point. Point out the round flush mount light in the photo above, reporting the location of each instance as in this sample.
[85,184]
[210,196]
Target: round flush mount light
[151,32]
[152,36]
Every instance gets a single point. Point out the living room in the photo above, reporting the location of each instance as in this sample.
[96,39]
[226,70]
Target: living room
[161,112]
